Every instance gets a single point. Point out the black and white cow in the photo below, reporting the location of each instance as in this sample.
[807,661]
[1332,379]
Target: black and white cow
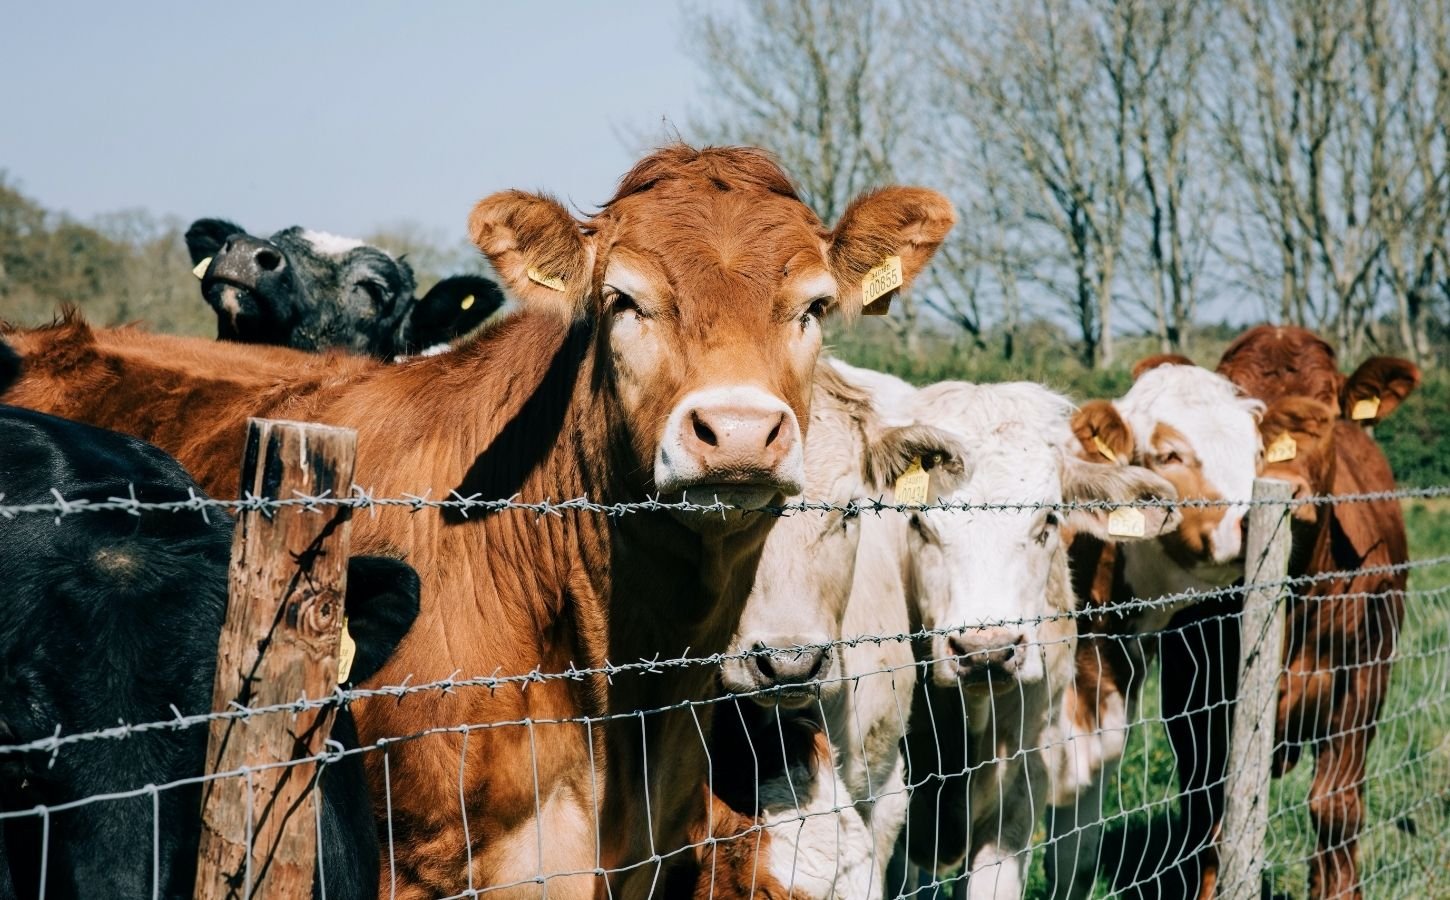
[108,617]
[316,291]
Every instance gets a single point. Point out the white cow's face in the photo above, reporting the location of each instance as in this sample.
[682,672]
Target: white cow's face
[806,571]
[991,578]
[987,572]
[1194,428]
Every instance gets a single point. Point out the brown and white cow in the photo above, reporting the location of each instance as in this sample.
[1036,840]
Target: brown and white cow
[1339,633]
[993,587]
[664,346]
[823,639]
[1197,430]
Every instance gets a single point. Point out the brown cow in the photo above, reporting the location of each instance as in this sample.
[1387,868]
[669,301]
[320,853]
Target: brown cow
[665,345]
[1339,635]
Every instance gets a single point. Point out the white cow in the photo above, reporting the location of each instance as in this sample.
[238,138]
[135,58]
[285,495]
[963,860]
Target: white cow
[832,821]
[993,588]
[1194,428]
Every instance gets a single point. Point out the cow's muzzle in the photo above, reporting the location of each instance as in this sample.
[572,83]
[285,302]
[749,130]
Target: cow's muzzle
[985,658]
[741,445]
[786,671]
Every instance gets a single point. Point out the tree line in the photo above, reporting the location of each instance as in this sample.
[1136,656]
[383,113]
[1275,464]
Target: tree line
[1122,166]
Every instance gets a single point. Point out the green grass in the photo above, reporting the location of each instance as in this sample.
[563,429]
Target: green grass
[1405,845]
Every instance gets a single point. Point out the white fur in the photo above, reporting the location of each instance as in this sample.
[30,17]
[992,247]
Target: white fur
[330,244]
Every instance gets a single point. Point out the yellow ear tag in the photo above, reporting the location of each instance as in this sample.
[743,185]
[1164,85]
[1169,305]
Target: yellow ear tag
[1367,408]
[200,270]
[1282,449]
[346,651]
[913,485]
[552,282]
[1104,449]
[467,302]
[880,282]
[1125,521]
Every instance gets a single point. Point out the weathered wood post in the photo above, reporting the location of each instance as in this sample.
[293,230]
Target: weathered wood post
[1261,654]
[279,643]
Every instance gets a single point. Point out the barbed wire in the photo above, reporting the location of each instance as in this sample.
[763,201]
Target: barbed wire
[658,665]
[366,500]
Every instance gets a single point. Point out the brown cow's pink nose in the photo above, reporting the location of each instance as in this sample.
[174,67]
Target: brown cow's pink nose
[738,442]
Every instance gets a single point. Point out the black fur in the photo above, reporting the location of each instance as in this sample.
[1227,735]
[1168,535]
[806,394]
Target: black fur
[289,291]
[108,617]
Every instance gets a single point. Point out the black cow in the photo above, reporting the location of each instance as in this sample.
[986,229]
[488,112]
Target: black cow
[316,291]
[108,617]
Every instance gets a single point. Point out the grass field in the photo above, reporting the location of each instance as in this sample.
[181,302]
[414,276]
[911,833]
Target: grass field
[1405,850]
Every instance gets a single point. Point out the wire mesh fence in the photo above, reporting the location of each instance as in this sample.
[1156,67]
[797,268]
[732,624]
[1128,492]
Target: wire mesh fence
[1076,753]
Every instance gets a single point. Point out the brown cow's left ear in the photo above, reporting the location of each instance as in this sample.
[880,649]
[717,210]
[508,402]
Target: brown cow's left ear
[538,249]
[906,223]
[1104,436]
[1377,387]
[1159,359]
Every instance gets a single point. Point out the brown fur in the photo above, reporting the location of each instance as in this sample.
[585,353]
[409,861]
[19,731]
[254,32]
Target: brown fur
[1160,359]
[1338,649]
[531,407]
[1098,419]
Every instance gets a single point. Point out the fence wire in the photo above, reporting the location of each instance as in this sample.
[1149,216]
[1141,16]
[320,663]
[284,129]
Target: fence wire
[1104,777]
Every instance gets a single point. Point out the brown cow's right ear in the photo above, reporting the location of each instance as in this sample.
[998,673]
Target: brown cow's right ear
[538,250]
[1377,387]
[905,222]
[1159,359]
[1104,435]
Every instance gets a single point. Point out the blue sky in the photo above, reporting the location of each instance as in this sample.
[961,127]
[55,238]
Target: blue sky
[337,116]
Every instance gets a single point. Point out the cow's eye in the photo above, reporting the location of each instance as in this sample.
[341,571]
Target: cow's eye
[816,311]
[1049,524]
[375,291]
[1170,458]
[620,302]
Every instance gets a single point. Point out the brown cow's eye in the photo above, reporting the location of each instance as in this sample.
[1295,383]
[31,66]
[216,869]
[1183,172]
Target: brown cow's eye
[816,311]
[622,302]
[1170,458]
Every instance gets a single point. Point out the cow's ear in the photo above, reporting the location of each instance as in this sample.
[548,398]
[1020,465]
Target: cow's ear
[206,236]
[382,602]
[1298,435]
[1377,387]
[537,248]
[1159,359]
[1091,483]
[1103,434]
[452,307]
[905,223]
[894,450]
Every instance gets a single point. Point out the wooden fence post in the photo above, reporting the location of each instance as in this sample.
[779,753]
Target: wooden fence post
[1261,654]
[284,617]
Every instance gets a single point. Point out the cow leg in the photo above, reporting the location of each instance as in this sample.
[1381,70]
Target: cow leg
[1203,644]
[1336,796]
[1075,837]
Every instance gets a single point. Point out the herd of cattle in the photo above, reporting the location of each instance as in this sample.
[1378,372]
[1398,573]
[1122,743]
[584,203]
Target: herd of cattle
[671,345]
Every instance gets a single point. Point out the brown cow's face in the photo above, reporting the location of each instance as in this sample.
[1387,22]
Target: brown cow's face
[708,280]
[1195,429]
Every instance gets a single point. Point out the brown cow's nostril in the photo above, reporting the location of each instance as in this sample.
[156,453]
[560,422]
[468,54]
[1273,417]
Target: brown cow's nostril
[703,432]
[775,432]
[268,260]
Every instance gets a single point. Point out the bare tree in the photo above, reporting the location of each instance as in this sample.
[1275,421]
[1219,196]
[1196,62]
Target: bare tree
[1332,119]
[1047,84]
